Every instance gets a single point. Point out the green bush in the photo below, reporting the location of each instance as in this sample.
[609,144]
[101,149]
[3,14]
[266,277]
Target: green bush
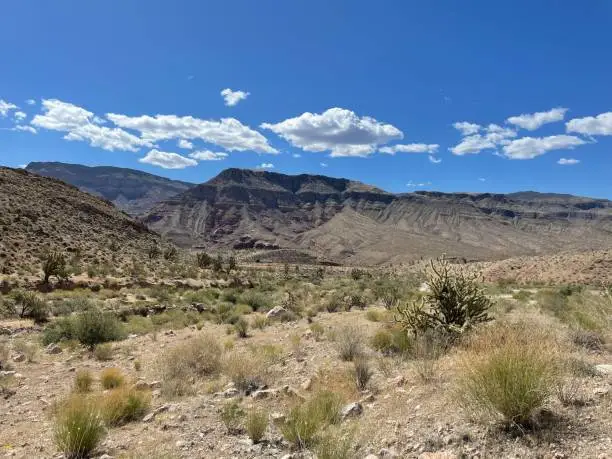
[61,329]
[79,427]
[94,327]
[256,300]
[29,305]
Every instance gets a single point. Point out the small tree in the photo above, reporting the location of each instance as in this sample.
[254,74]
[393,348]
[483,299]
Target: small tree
[454,302]
[203,260]
[54,264]
[31,306]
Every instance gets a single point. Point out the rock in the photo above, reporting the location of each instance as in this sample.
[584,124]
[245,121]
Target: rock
[277,418]
[7,373]
[53,349]
[275,312]
[106,456]
[369,398]
[604,369]
[388,452]
[19,357]
[350,410]
[306,385]
[155,385]
[155,412]
[141,385]
[229,393]
[264,393]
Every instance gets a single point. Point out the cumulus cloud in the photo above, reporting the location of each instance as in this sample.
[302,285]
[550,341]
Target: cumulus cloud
[266,166]
[167,160]
[30,102]
[19,116]
[185,144]
[337,130]
[533,121]
[25,128]
[591,125]
[206,155]
[80,124]
[6,107]
[568,161]
[530,147]
[434,160]
[491,136]
[411,148]
[233,97]
[228,133]
[466,128]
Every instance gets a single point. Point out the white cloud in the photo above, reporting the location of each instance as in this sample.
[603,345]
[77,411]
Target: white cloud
[492,136]
[167,160]
[323,164]
[6,107]
[19,116]
[296,155]
[533,121]
[434,160]
[233,97]
[25,128]
[206,155]
[482,179]
[228,133]
[30,102]
[266,166]
[80,124]
[591,125]
[185,144]
[568,161]
[22,166]
[411,184]
[411,148]
[472,144]
[466,128]
[337,130]
[530,147]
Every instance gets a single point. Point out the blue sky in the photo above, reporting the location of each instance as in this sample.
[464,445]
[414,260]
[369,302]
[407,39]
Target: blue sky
[373,91]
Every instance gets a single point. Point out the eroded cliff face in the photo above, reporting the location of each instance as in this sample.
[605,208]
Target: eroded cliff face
[352,222]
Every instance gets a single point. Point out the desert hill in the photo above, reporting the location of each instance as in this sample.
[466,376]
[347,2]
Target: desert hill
[39,213]
[130,190]
[351,222]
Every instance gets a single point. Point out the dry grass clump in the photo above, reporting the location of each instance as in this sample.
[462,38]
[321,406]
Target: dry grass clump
[350,343]
[30,350]
[393,340]
[248,371]
[305,422]
[83,381]
[79,427]
[103,352]
[241,326]
[256,424]
[231,415]
[509,373]
[335,443]
[362,372]
[195,358]
[111,378]
[123,405]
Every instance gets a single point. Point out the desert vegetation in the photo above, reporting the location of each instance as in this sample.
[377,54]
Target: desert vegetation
[272,360]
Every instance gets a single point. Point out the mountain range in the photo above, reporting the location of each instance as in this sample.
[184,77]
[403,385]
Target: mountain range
[345,221]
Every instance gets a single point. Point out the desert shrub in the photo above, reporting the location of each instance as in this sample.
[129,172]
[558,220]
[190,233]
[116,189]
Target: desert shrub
[139,325]
[248,372]
[231,415]
[111,378]
[590,340]
[349,342]
[362,373]
[30,306]
[334,304]
[304,422]
[5,353]
[170,253]
[54,264]
[79,427]
[335,444]
[256,424]
[82,381]
[217,263]
[393,341]
[376,315]
[454,302]
[103,352]
[94,327]
[260,321]
[203,260]
[195,358]
[232,264]
[427,348]
[509,374]
[61,329]
[256,300]
[241,327]
[71,305]
[29,350]
[317,331]
[122,405]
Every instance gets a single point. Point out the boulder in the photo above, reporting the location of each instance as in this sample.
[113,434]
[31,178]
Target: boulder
[604,369]
[53,349]
[351,410]
[276,311]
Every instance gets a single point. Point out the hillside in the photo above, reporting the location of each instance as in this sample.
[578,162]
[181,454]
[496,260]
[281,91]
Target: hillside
[39,213]
[351,222]
[130,190]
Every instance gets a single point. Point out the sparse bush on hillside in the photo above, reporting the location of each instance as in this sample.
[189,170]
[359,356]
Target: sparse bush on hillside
[256,424]
[122,405]
[54,264]
[195,358]
[231,415]
[362,373]
[232,264]
[153,252]
[82,381]
[217,264]
[93,327]
[455,302]
[248,372]
[103,352]
[242,327]
[111,378]
[79,427]
[29,305]
[203,260]
[349,342]
[171,253]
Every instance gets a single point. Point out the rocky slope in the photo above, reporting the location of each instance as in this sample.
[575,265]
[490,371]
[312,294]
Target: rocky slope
[133,191]
[39,213]
[352,222]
